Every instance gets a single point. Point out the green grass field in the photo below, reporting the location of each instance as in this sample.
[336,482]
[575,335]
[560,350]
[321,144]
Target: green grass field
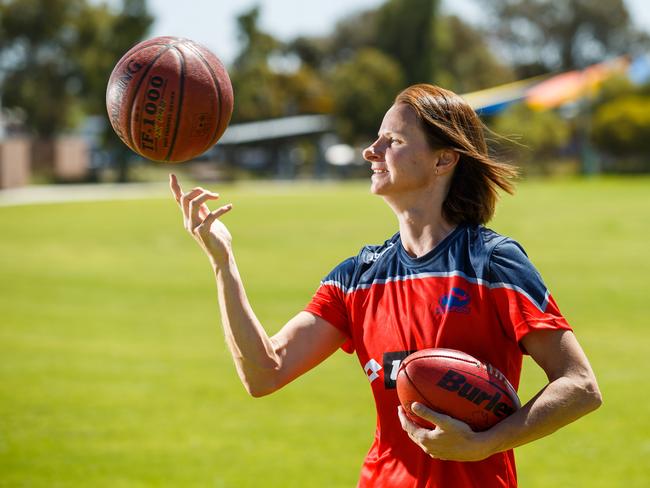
[114,372]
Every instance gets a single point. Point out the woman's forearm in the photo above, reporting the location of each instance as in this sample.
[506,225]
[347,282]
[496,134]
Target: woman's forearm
[558,404]
[252,349]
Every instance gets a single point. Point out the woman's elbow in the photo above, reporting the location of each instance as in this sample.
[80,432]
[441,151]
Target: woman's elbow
[259,390]
[596,396]
[592,397]
[261,382]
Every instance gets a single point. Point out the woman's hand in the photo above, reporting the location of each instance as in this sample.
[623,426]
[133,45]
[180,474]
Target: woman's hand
[205,226]
[451,440]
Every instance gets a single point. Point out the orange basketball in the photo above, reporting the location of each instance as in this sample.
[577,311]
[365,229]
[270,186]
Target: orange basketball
[169,99]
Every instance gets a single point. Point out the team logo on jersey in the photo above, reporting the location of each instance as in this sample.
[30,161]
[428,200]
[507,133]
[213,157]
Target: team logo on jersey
[457,300]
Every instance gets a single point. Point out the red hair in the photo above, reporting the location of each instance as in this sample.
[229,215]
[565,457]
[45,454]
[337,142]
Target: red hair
[449,122]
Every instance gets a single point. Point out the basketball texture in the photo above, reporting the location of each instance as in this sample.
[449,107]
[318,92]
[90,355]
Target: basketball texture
[169,99]
[455,384]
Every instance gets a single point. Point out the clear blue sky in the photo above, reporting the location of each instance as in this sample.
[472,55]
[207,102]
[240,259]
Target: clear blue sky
[212,22]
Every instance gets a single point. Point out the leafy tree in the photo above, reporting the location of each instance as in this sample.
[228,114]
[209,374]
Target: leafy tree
[57,55]
[257,46]
[464,62]
[405,31]
[104,37]
[38,77]
[364,87]
[416,44]
[428,47]
[546,35]
[267,83]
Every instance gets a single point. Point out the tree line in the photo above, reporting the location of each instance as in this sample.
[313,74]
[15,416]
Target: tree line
[56,56]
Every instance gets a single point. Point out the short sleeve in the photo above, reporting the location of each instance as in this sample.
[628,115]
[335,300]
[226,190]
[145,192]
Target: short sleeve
[522,301]
[329,301]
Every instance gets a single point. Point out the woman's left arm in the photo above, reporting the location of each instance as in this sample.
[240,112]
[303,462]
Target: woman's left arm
[571,392]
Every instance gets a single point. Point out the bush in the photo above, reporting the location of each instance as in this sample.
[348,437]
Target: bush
[621,127]
[533,139]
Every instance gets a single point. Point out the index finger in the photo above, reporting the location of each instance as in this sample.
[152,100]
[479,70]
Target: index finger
[407,424]
[175,187]
[437,418]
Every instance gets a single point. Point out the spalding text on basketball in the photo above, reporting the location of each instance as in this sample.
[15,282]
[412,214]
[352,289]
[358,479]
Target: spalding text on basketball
[132,67]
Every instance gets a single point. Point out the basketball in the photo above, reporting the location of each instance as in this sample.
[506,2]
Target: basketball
[455,384]
[169,99]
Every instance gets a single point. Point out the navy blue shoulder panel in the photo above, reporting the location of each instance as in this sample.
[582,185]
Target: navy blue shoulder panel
[347,274]
[465,252]
[510,268]
[475,253]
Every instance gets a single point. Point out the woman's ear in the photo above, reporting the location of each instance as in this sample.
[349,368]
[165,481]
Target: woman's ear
[447,159]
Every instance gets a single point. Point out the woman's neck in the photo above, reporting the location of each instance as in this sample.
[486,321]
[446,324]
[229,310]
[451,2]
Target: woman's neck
[422,224]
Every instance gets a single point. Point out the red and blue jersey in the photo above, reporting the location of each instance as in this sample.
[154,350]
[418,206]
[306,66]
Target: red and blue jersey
[476,292]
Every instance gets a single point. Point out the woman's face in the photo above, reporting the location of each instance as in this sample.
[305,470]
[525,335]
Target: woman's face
[401,158]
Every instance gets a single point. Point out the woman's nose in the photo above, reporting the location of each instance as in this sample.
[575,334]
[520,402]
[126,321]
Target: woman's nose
[371,154]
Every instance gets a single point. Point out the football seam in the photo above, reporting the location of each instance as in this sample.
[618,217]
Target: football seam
[456,358]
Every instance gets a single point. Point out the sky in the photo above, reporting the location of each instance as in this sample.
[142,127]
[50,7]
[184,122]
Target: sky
[212,22]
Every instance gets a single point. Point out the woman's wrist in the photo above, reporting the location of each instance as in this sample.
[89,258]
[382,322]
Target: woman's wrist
[490,441]
[222,261]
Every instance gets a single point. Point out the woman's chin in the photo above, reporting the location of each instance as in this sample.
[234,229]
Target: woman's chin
[378,185]
[376,189]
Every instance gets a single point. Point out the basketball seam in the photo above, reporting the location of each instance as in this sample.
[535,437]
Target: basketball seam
[179,106]
[213,139]
[137,89]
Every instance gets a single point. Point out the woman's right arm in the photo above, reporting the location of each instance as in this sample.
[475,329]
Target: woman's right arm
[263,363]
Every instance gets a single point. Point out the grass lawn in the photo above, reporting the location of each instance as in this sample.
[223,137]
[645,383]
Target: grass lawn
[114,372]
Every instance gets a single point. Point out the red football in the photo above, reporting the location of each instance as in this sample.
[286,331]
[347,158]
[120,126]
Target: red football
[455,384]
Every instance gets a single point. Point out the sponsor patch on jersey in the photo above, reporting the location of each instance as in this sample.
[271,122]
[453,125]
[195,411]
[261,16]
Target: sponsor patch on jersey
[456,301]
[392,362]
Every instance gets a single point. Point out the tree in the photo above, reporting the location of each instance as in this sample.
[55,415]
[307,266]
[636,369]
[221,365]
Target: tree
[37,76]
[414,43]
[104,37]
[428,47]
[364,87]
[56,56]
[464,62]
[267,83]
[351,34]
[405,32]
[546,35]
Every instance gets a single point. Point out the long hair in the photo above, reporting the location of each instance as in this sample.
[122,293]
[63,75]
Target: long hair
[449,121]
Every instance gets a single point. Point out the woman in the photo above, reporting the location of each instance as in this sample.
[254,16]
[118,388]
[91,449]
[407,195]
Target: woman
[444,280]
